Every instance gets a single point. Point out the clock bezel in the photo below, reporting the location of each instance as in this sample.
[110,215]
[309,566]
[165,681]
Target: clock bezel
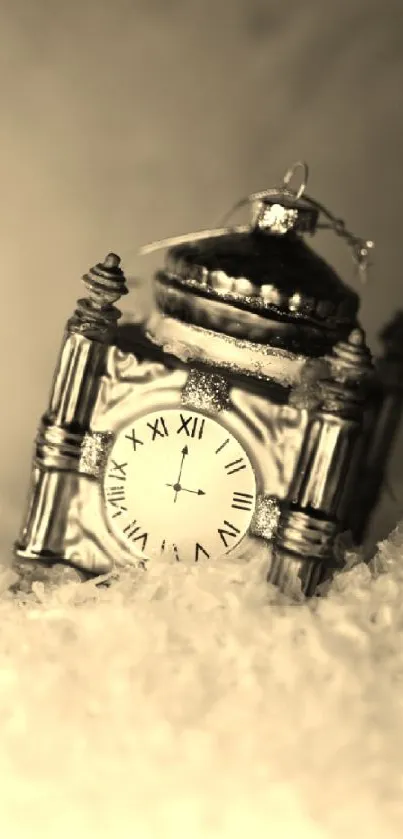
[179,409]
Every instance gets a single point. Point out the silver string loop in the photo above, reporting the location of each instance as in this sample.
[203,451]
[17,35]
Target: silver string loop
[300,164]
[196,236]
[359,247]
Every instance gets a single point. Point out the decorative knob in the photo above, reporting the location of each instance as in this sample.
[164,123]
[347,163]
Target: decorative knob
[95,315]
[351,359]
[106,281]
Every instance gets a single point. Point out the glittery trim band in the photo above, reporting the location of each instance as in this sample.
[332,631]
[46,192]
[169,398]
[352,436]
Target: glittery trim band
[192,343]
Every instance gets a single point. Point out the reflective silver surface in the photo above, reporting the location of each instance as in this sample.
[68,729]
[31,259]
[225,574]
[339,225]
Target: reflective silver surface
[306,425]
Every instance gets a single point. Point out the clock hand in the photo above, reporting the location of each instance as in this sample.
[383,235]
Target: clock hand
[195,491]
[177,486]
[185,451]
[183,489]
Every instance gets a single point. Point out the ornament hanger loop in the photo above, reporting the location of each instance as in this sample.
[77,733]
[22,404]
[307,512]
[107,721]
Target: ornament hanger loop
[300,164]
[359,247]
[283,191]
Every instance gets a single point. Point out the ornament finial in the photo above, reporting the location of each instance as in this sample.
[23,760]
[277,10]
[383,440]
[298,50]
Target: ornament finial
[112,260]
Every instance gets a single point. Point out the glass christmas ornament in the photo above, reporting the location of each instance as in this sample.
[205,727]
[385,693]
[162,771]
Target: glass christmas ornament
[245,412]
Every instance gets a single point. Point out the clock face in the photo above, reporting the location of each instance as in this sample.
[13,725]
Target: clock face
[179,483]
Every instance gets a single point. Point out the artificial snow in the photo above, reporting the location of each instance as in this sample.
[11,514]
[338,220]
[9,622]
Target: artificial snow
[199,702]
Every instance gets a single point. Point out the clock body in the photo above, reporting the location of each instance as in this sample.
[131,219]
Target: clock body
[238,415]
[179,462]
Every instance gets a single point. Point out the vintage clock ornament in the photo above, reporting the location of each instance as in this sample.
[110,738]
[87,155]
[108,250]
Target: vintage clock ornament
[245,411]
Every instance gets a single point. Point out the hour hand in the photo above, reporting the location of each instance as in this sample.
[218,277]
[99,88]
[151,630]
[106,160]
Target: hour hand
[179,488]
[194,491]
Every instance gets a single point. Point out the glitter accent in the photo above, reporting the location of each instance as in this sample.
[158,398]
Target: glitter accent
[277,219]
[266,516]
[206,392]
[191,343]
[94,452]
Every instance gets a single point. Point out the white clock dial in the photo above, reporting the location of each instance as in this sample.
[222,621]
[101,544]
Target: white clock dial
[179,483]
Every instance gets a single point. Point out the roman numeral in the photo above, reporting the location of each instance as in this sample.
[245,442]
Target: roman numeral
[120,471]
[132,437]
[217,451]
[235,466]
[192,426]
[115,496]
[228,530]
[199,550]
[131,529]
[242,501]
[158,428]
[174,548]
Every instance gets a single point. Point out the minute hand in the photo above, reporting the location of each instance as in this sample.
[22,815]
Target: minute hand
[185,451]
[177,487]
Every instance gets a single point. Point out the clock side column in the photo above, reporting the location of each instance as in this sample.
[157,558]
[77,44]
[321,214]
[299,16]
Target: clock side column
[58,445]
[325,478]
[386,420]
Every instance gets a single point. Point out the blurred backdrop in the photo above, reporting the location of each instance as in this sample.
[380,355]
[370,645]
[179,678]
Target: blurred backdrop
[129,120]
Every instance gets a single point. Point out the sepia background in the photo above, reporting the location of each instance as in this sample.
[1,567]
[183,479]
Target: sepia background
[130,120]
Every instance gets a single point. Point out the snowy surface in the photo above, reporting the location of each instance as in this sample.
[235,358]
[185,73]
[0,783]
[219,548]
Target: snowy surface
[197,702]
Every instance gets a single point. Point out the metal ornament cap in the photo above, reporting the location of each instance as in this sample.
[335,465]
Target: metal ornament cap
[279,218]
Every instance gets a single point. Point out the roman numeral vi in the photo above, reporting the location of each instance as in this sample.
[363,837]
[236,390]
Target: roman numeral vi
[200,550]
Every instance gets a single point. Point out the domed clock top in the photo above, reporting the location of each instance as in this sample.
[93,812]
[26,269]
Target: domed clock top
[262,281]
